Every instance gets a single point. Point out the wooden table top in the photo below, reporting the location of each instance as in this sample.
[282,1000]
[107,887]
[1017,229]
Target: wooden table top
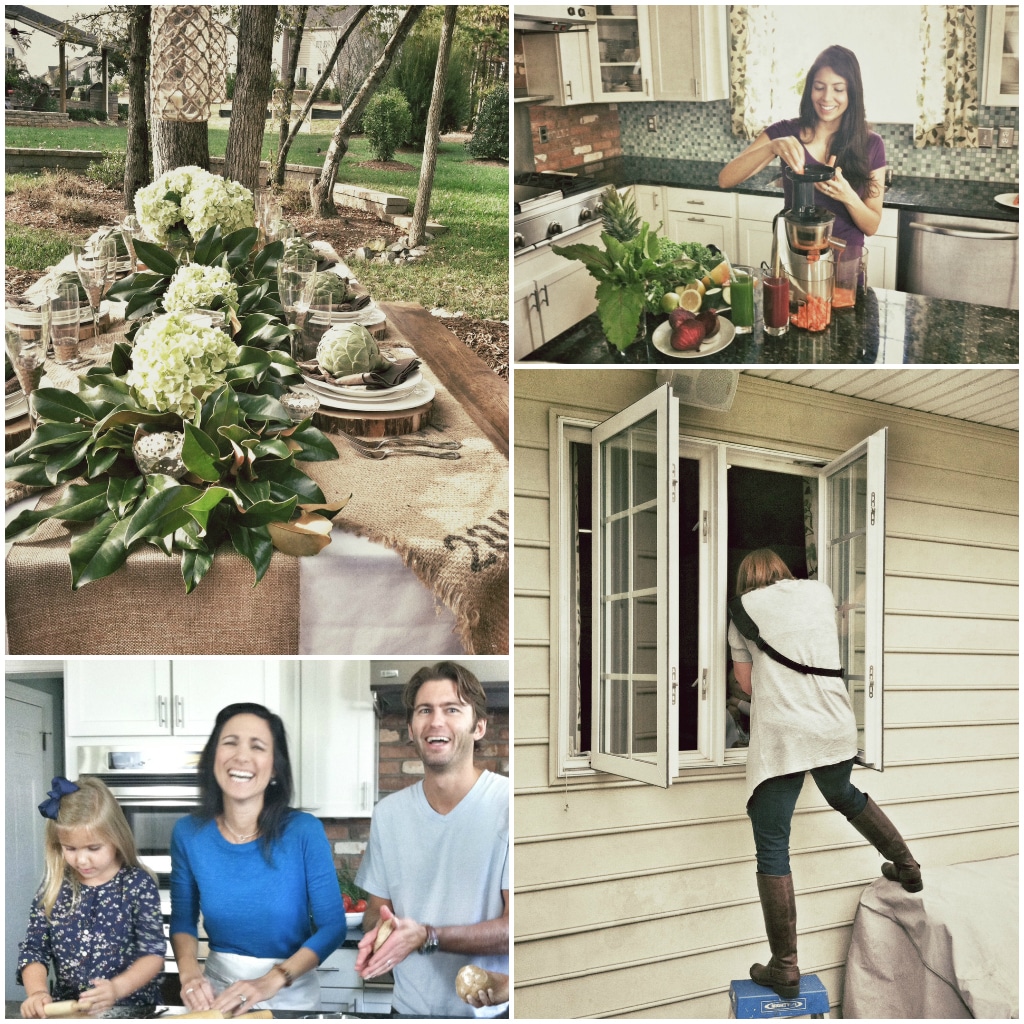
[469,380]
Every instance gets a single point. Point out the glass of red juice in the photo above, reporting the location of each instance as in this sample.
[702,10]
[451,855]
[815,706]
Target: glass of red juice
[775,293]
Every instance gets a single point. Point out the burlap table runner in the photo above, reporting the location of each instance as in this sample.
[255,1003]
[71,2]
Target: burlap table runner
[448,521]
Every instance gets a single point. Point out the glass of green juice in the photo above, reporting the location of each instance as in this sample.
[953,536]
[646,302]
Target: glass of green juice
[741,298]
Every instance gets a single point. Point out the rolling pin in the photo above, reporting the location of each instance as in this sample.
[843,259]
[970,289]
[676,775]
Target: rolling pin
[64,1008]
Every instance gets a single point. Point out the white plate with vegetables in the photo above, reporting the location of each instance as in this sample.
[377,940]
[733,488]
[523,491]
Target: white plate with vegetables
[722,338]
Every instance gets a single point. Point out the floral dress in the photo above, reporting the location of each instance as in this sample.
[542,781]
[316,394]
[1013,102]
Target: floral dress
[110,928]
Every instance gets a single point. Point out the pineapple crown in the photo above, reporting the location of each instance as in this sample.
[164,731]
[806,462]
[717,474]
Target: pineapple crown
[619,216]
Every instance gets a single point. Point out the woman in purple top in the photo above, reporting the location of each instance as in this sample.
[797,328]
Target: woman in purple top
[831,129]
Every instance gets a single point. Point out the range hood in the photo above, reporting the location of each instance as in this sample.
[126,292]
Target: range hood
[387,697]
[553,19]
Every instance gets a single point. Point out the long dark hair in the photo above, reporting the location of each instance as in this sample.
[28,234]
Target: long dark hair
[850,143]
[276,797]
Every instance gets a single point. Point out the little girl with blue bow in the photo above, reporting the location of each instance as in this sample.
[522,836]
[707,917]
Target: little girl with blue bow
[96,916]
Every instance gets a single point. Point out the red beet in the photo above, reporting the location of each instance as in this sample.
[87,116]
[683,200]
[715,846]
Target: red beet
[688,336]
[709,318]
[680,316]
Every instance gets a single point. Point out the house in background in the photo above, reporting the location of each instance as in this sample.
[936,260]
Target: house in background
[634,862]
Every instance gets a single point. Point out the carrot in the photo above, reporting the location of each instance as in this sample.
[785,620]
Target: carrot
[814,314]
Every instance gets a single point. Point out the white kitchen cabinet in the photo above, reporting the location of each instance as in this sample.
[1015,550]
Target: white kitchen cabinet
[690,54]
[337,747]
[1000,59]
[340,986]
[650,204]
[558,65]
[161,696]
[620,54]
[552,294]
[698,216]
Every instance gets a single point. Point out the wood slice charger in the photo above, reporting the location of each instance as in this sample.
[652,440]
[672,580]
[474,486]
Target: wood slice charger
[381,424]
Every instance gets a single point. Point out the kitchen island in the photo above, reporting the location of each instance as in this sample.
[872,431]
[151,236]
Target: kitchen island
[886,326]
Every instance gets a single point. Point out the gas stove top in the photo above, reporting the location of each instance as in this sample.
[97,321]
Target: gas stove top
[550,204]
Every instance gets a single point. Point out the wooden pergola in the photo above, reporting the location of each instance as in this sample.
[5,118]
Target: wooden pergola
[65,35]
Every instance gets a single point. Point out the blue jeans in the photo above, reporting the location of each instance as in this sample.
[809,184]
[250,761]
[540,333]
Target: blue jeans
[770,810]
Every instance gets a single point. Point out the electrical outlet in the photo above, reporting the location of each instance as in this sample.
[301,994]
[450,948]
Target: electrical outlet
[986,137]
[389,673]
[1005,138]
[652,122]
[542,132]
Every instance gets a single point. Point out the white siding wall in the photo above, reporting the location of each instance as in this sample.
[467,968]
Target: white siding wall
[636,901]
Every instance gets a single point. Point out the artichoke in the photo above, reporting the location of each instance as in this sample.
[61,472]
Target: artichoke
[349,348]
[298,246]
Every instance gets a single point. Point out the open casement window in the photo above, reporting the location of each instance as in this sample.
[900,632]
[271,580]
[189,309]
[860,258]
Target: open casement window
[655,526]
[635,672]
[853,565]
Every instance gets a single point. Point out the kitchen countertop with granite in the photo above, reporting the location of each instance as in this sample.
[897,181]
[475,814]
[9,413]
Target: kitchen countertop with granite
[885,327]
[926,195]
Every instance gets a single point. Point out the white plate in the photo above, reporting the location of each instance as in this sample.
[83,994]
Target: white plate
[354,920]
[347,316]
[418,396]
[16,409]
[361,390]
[1009,199]
[722,338]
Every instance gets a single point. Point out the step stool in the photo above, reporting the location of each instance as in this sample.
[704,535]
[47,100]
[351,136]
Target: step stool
[748,1000]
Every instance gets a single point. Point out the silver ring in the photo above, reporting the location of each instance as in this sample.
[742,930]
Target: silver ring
[244,998]
[189,991]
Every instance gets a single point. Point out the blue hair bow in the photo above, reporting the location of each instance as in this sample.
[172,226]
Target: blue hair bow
[61,788]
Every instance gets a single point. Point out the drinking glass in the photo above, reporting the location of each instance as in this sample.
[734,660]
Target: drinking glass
[851,276]
[27,352]
[93,266]
[776,304]
[63,311]
[296,279]
[741,298]
[130,230]
[321,309]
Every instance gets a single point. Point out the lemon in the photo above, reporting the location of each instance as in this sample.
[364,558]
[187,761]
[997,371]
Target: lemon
[690,300]
[669,301]
[706,281]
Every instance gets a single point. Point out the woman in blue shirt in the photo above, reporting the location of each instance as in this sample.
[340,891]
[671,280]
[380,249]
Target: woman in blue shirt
[260,873]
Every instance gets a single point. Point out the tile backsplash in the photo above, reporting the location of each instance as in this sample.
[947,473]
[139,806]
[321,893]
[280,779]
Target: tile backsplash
[701,131]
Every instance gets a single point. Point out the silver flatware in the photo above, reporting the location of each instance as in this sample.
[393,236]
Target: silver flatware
[378,454]
[406,442]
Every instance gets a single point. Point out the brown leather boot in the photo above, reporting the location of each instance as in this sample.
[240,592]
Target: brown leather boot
[881,833]
[778,903]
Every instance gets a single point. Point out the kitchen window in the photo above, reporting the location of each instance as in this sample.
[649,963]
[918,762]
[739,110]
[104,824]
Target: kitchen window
[651,527]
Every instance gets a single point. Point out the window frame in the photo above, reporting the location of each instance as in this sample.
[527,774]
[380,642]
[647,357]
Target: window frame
[714,456]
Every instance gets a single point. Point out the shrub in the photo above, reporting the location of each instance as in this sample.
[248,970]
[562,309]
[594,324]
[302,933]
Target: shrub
[24,90]
[86,114]
[72,210]
[490,140]
[109,170]
[413,73]
[387,121]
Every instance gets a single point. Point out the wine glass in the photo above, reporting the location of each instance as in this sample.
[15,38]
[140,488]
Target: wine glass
[130,230]
[92,266]
[63,314]
[321,308]
[27,352]
[296,278]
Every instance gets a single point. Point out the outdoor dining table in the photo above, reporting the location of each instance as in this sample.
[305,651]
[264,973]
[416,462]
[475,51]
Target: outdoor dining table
[418,562]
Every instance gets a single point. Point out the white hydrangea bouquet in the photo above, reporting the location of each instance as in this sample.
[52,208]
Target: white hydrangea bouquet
[195,286]
[177,361]
[193,200]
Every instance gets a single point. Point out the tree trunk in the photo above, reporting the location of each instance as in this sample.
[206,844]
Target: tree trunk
[321,191]
[252,93]
[136,167]
[297,30]
[286,145]
[426,185]
[180,144]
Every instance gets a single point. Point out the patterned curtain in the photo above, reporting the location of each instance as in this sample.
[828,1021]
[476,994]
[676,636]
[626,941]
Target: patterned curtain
[751,60]
[811,526]
[948,99]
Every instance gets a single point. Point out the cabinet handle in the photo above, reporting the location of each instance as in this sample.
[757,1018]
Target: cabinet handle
[568,89]
[179,712]
[161,712]
[364,803]
[696,220]
[546,303]
[694,202]
[647,87]
[654,204]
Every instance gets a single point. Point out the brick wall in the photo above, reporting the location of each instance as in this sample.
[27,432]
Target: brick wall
[566,137]
[399,767]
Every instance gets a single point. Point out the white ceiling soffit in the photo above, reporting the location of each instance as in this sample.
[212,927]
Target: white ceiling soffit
[978,396]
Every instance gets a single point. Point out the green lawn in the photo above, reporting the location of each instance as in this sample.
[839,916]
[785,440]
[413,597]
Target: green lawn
[467,266]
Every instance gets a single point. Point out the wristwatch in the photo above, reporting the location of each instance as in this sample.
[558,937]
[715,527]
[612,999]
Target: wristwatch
[432,942]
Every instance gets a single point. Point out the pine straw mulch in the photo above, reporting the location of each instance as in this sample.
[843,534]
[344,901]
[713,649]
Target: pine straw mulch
[78,205]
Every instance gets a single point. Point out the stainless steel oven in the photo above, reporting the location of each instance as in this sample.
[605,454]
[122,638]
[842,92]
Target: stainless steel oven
[155,788]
